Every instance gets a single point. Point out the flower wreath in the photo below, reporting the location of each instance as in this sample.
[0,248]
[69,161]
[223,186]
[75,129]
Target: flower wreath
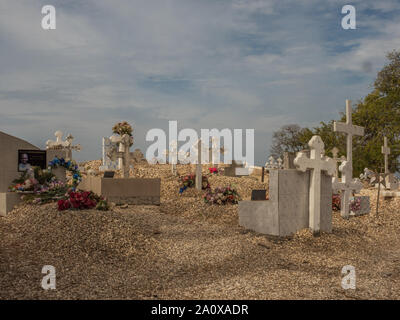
[70,165]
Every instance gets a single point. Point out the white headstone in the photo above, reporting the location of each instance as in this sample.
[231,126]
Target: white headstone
[386,152]
[317,163]
[199,177]
[351,130]
[123,153]
[109,164]
[347,186]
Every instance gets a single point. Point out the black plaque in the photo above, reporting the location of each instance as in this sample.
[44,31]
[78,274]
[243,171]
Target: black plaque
[109,174]
[31,158]
[259,195]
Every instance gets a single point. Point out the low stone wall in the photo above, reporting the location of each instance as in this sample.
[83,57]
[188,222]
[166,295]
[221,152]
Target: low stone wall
[141,191]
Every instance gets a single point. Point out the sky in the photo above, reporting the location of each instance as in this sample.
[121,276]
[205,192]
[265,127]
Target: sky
[235,64]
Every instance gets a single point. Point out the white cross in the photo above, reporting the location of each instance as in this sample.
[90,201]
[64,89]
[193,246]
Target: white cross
[215,151]
[386,152]
[60,144]
[335,158]
[123,153]
[347,186]
[270,164]
[316,163]
[199,178]
[279,161]
[173,155]
[351,130]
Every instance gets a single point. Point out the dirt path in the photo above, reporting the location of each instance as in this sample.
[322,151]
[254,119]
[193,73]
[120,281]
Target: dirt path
[141,253]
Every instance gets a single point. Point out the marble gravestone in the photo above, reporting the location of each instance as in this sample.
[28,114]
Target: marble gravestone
[60,149]
[298,199]
[9,146]
[108,164]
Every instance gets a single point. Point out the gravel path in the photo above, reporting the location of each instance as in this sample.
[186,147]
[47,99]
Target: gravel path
[142,253]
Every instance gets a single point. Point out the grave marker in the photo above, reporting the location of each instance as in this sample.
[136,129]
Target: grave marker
[317,163]
[350,130]
[348,185]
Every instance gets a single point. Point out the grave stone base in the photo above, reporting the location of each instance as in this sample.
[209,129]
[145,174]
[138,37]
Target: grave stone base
[390,194]
[124,190]
[287,210]
[365,207]
[8,200]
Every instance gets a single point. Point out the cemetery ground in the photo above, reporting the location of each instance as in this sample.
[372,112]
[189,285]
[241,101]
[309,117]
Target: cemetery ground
[187,249]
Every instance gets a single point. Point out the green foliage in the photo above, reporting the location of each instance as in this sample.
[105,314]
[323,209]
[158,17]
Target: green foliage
[378,113]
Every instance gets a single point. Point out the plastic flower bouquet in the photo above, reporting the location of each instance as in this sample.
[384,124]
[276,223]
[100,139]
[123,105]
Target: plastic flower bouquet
[336,202]
[122,128]
[222,196]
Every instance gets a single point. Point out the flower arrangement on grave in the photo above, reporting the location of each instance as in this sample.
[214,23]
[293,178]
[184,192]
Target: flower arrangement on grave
[355,204]
[39,186]
[189,181]
[213,170]
[336,202]
[222,196]
[81,200]
[69,165]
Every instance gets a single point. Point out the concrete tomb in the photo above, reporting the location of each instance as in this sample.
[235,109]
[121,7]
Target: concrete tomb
[144,191]
[298,199]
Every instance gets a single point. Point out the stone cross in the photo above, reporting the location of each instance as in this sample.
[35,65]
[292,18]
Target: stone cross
[270,164]
[215,152]
[107,163]
[316,163]
[335,158]
[347,186]
[351,130]
[123,153]
[63,145]
[173,156]
[199,178]
[279,161]
[386,152]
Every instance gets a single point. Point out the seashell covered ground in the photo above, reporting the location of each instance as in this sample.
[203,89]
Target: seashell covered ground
[187,249]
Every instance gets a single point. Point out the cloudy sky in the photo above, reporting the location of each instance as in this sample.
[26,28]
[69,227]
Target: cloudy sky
[206,63]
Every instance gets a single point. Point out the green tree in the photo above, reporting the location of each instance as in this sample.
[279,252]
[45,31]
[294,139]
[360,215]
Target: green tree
[289,138]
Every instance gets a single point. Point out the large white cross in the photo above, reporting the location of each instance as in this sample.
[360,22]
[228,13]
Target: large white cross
[386,152]
[351,130]
[173,156]
[348,185]
[199,177]
[316,163]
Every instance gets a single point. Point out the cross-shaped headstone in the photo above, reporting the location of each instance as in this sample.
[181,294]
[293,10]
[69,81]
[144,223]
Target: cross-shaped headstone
[270,164]
[173,156]
[317,163]
[386,152]
[199,177]
[63,145]
[335,158]
[123,153]
[215,152]
[347,186]
[351,130]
